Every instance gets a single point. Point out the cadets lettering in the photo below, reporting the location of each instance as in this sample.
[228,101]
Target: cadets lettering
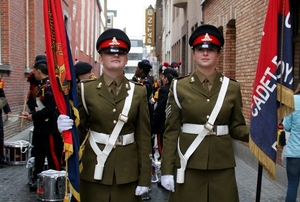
[267,84]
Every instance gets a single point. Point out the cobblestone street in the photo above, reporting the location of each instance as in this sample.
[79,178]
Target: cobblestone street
[14,186]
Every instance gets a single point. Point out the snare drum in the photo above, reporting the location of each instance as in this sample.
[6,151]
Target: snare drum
[30,135]
[16,152]
[51,185]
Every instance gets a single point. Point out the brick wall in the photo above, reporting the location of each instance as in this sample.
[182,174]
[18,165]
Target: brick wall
[19,24]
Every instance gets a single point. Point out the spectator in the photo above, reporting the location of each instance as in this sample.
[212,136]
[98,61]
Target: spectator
[292,151]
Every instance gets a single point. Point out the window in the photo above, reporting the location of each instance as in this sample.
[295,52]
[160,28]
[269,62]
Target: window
[135,56]
[136,43]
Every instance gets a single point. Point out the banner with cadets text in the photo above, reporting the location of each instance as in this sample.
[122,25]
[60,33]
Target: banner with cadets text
[273,84]
[63,82]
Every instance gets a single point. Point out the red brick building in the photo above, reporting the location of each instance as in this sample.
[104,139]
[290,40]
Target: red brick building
[22,38]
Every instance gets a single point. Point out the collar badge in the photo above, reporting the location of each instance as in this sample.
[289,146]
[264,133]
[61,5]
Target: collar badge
[192,80]
[99,85]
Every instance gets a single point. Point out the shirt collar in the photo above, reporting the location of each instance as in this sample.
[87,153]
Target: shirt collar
[108,80]
[211,78]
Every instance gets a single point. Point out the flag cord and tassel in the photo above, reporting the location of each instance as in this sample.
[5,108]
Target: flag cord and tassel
[280,112]
[66,198]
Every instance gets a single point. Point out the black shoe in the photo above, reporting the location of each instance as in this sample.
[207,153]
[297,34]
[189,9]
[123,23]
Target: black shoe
[33,186]
[159,184]
[3,163]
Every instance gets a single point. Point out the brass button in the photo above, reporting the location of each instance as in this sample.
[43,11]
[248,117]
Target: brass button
[114,121]
[207,116]
[114,110]
[207,100]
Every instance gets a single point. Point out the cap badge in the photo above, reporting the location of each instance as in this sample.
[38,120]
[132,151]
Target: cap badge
[126,85]
[192,79]
[114,42]
[206,38]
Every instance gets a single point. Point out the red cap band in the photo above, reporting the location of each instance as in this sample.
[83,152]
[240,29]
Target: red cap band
[113,42]
[205,38]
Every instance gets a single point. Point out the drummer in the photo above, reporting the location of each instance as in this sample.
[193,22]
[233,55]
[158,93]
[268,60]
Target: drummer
[4,106]
[47,140]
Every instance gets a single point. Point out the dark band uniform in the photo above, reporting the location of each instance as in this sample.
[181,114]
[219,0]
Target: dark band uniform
[47,140]
[159,116]
[6,110]
[126,166]
[209,175]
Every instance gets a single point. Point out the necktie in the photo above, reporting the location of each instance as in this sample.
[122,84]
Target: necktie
[205,84]
[114,89]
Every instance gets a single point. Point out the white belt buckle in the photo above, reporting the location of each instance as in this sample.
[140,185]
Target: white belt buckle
[119,141]
[123,118]
[210,127]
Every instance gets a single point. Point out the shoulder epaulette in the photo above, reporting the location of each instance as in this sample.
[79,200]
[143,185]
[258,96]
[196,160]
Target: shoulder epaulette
[137,83]
[181,77]
[233,80]
[87,80]
[221,78]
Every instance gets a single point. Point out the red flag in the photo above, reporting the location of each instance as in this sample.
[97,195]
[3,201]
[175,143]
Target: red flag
[273,82]
[61,72]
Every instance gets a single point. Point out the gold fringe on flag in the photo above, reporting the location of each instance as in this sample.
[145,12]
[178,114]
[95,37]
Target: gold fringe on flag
[81,149]
[75,112]
[286,98]
[263,159]
[69,187]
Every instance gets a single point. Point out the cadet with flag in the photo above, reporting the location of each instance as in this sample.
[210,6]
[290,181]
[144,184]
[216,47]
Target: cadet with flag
[116,162]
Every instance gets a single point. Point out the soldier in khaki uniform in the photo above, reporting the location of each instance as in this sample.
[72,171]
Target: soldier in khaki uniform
[203,171]
[127,170]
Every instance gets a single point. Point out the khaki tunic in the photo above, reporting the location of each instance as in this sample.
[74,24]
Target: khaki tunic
[125,164]
[214,152]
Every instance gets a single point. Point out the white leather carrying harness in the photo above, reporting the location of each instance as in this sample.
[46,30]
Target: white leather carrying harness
[201,130]
[112,140]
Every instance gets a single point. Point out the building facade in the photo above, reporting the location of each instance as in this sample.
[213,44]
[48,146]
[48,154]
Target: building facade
[135,55]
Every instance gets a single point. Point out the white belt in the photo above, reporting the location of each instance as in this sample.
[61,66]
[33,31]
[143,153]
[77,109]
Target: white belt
[122,140]
[196,129]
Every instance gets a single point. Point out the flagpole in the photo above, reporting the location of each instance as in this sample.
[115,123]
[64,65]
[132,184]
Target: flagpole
[258,186]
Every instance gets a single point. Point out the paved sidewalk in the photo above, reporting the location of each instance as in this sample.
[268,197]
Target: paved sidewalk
[14,179]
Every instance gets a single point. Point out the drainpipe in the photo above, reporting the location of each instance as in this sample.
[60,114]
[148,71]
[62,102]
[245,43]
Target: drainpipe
[27,35]
[0,39]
